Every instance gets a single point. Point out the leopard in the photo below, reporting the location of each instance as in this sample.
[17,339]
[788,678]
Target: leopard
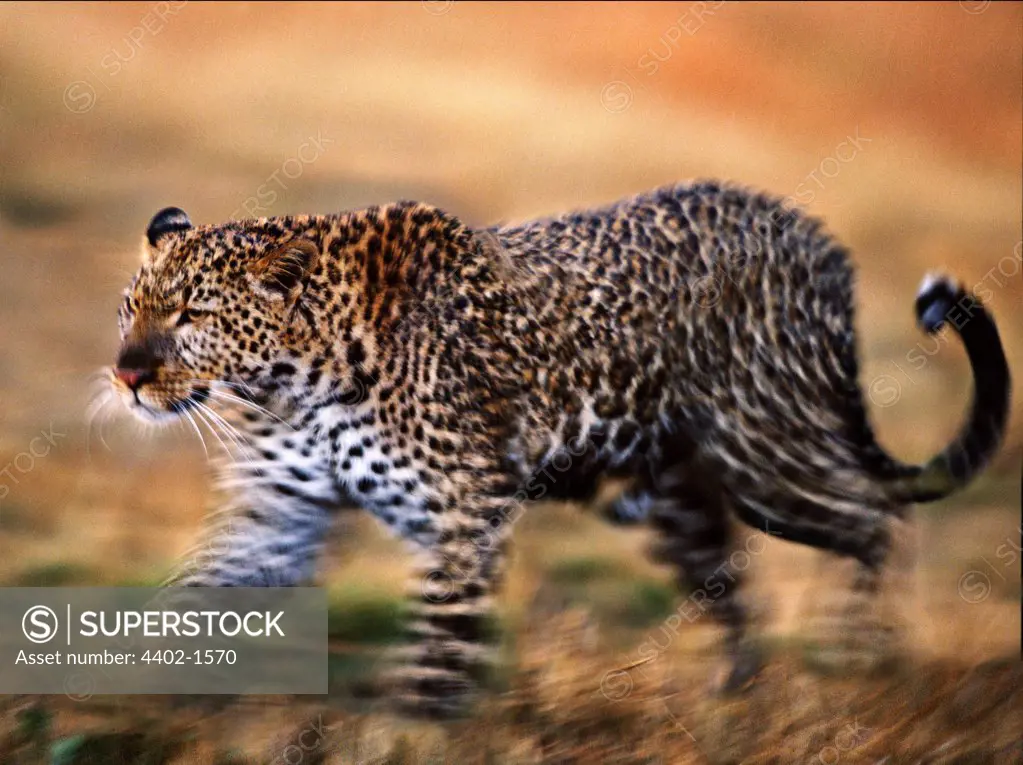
[697,339]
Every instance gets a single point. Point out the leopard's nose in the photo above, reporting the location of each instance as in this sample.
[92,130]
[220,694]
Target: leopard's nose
[136,366]
[133,378]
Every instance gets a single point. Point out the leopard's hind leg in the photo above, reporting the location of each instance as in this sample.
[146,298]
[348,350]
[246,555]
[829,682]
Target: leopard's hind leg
[847,628]
[695,536]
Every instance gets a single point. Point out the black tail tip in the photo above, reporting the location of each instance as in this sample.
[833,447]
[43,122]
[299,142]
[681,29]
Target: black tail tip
[937,296]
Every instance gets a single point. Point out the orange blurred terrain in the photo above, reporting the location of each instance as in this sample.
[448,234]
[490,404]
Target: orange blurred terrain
[900,124]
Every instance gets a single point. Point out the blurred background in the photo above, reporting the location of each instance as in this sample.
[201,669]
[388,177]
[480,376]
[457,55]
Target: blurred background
[899,124]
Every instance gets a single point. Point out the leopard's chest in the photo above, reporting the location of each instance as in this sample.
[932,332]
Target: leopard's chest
[378,476]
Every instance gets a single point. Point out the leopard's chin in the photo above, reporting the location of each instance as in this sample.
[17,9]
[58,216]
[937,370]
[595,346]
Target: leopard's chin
[151,416]
[167,409]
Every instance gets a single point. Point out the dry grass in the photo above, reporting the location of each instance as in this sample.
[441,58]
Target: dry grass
[572,622]
[555,712]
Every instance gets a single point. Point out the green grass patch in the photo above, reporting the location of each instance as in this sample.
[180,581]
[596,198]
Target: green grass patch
[363,616]
[141,580]
[350,674]
[645,602]
[106,748]
[575,572]
[55,575]
[618,596]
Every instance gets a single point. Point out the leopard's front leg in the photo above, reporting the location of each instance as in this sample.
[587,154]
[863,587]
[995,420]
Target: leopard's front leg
[278,498]
[452,629]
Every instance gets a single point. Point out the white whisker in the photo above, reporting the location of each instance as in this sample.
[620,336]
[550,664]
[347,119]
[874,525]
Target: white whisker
[209,424]
[239,385]
[251,405]
[95,408]
[191,421]
[107,414]
[229,430]
[245,449]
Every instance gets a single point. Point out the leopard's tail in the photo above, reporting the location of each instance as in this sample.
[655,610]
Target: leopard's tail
[940,301]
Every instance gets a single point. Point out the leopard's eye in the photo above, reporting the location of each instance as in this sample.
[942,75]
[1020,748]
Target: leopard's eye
[189,316]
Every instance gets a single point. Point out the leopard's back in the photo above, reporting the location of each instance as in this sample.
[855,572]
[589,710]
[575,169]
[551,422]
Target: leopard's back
[693,317]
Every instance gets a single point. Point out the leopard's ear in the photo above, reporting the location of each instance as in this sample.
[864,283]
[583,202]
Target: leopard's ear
[281,273]
[170,220]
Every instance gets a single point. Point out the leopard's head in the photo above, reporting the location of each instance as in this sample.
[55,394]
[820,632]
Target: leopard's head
[209,313]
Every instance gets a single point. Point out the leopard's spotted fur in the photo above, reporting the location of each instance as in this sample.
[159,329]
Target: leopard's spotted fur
[698,338]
